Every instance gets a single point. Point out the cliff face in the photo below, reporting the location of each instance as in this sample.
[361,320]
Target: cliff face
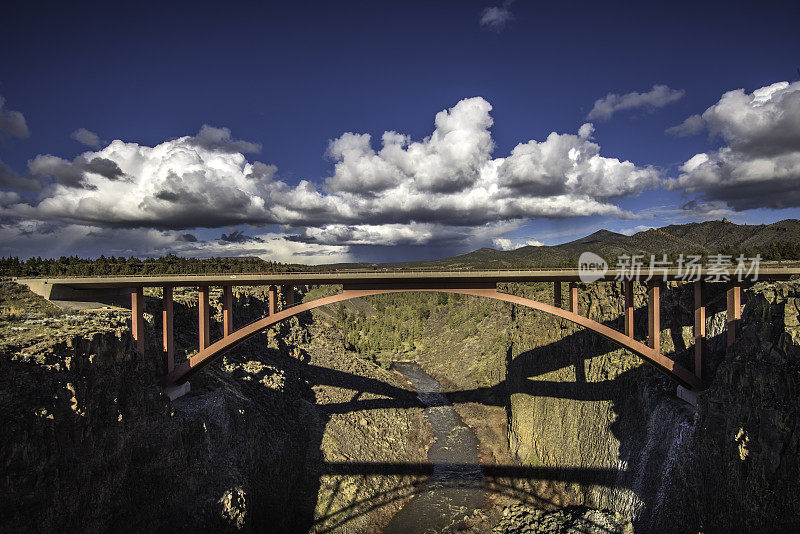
[575,401]
[732,464]
[746,473]
[578,402]
[89,443]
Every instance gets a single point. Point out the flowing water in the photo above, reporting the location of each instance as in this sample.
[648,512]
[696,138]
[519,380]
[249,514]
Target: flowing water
[457,486]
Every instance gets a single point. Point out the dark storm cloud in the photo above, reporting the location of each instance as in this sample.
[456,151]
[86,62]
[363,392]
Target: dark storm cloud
[74,173]
[237,236]
[102,166]
[781,194]
[169,196]
[11,180]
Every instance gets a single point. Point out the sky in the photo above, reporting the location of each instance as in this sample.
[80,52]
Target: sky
[383,131]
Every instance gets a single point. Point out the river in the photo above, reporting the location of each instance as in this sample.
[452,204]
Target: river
[457,486]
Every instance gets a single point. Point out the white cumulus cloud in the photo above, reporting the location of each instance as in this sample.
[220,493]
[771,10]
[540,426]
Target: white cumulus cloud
[445,188]
[504,243]
[759,164]
[448,160]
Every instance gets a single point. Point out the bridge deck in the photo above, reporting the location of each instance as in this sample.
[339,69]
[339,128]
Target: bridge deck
[477,277]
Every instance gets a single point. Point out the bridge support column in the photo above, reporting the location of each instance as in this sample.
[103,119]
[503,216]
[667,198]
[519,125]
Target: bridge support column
[734,295]
[203,318]
[272,293]
[628,285]
[227,311]
[699,326]
[557,294]
[654,315]
[167,337]
[288,292]
[573,297]
[137,318]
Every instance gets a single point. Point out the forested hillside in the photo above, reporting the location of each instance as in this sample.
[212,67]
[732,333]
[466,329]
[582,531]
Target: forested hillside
[779,241]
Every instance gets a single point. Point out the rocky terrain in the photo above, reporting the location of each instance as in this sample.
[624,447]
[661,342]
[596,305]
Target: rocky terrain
[90,443]
[276,435]
[613,425]
[520,519]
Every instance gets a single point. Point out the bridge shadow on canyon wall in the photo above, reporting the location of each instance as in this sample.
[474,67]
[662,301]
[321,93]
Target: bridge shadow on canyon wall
[634,397]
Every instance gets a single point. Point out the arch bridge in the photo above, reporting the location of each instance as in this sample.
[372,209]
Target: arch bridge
[357,284]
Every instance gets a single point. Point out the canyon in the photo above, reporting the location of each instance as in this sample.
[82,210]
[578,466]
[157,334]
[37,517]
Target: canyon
[309,427]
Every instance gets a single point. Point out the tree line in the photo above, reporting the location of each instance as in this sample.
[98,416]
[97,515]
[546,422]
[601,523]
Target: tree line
[169,264]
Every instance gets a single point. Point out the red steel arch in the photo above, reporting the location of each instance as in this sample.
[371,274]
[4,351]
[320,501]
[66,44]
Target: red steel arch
[667,366]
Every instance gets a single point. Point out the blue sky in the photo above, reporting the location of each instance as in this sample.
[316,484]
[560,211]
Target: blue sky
[291,79]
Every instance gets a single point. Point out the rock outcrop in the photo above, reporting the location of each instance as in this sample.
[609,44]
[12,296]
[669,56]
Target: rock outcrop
[88,441]
[746,470]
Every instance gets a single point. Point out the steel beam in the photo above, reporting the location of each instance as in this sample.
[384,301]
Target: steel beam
[203,318]
[272,293]
[628,284]
[573,297]
[137,318]
[654,315]
[734,295]
[699,326]
[227,311]
[557,294]
[168,337]
[668,366]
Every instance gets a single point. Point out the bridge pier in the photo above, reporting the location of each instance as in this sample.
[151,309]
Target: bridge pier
[272,294]
[203,317]
[573,297]
[734,312]
[168,337]
[557,294]
[654,314]
[227,311]
[628,285]
[288,292]
[137,318]
[699,326]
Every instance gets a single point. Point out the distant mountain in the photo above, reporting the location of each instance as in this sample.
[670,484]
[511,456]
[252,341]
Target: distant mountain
[710,237]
